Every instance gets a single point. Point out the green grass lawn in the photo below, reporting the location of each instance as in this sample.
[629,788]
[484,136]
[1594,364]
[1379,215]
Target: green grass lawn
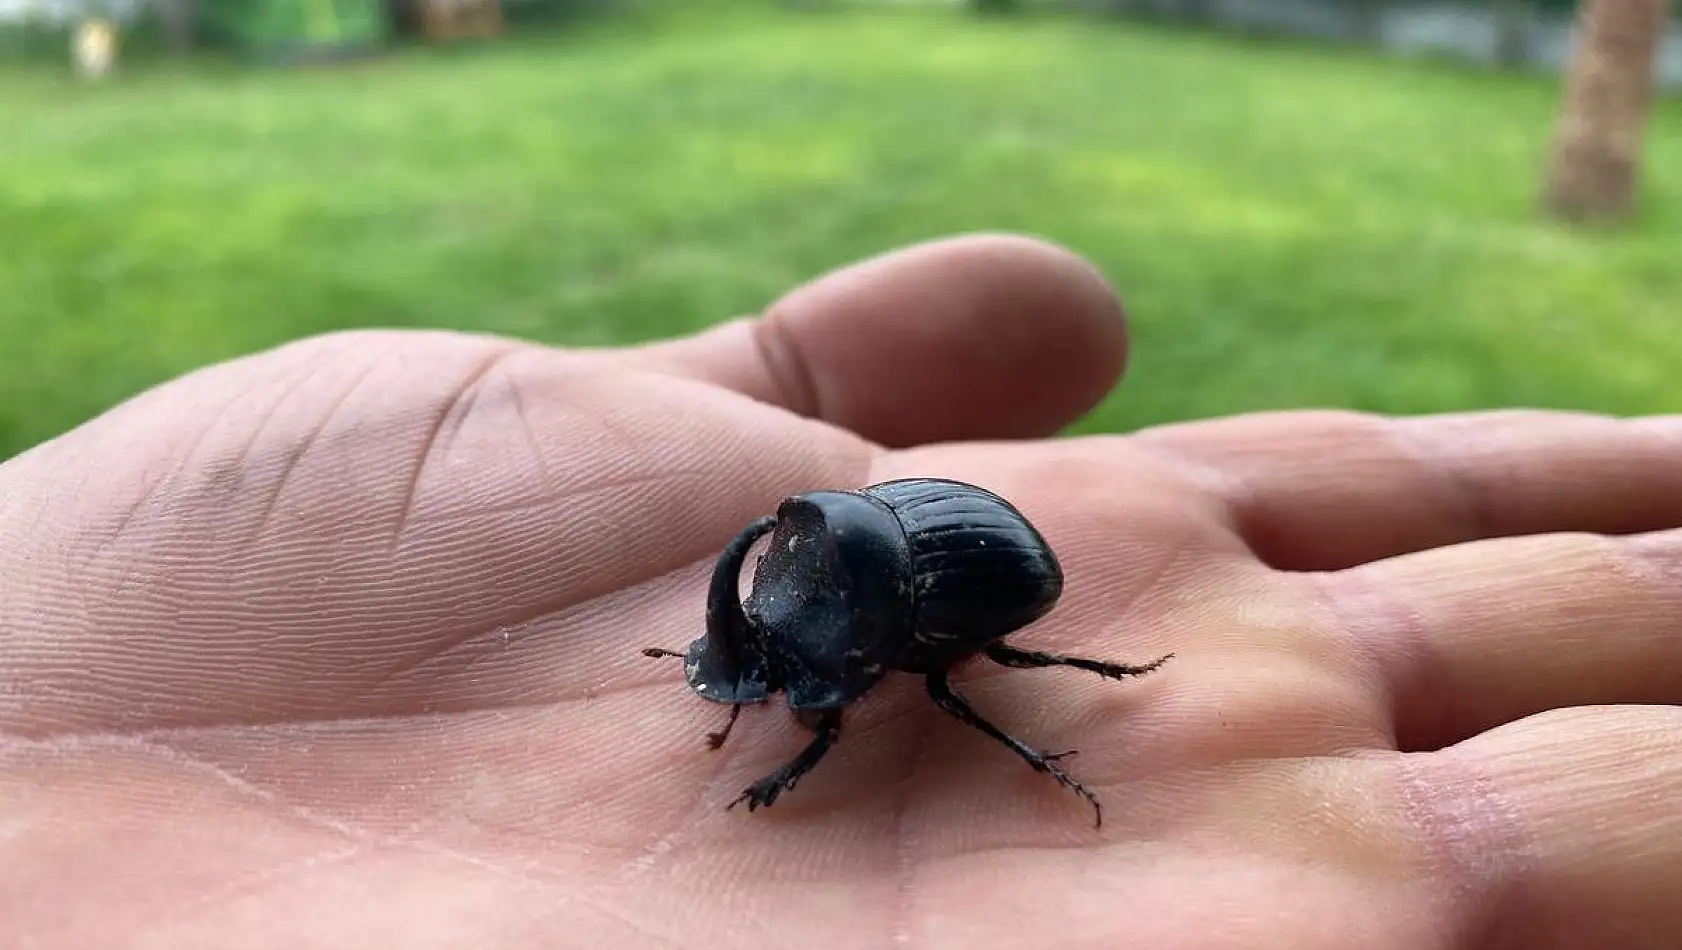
[1289,226]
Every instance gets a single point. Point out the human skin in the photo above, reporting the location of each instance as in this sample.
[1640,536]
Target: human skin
[338,645]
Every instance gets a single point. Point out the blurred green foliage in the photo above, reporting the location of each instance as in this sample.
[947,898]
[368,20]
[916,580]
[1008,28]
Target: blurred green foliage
[278,27]
[1289,225]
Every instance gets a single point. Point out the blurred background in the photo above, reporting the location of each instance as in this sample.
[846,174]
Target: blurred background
[1395,206]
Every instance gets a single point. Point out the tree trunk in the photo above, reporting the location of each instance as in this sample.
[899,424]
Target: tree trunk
[461,19]
[1603,117]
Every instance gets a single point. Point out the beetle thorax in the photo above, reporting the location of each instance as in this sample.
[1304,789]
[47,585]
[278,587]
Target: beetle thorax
[831,605]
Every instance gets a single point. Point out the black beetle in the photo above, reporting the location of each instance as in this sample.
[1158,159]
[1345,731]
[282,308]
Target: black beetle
[916,575]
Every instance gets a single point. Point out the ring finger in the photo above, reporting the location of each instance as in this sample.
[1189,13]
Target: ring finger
[1469,637]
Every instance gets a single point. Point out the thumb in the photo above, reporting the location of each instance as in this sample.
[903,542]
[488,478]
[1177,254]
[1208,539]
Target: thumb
[974,337]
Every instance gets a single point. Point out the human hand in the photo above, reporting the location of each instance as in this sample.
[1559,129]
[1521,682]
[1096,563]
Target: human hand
[339,645]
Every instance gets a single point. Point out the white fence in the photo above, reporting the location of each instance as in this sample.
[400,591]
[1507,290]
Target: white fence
[60,12]
[1406,27]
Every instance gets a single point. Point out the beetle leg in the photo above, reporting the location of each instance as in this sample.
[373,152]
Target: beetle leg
[941,692]
[716,739]
[1006,655]
[766,790]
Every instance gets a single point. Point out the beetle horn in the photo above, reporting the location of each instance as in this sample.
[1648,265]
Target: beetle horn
[726,666]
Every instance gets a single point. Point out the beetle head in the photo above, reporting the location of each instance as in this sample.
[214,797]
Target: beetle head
[832,598]
[727,665]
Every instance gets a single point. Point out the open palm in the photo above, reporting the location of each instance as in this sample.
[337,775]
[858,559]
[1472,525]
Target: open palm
[340,645]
